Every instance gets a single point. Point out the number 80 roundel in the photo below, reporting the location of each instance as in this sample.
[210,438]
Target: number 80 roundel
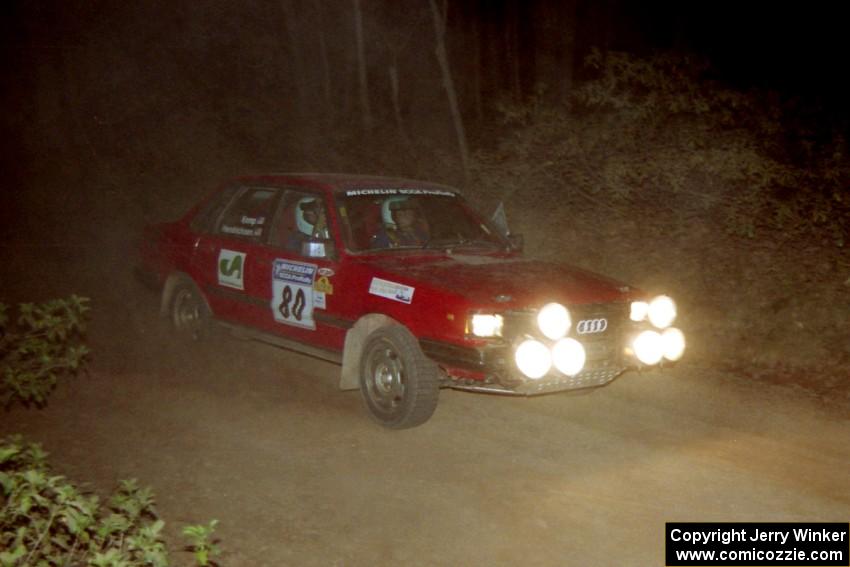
[292,293]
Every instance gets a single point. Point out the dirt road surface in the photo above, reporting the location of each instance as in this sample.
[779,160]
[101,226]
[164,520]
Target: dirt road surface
[297,474]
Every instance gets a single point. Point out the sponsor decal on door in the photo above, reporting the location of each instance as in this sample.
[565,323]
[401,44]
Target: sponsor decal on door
[292,293]
[231,269]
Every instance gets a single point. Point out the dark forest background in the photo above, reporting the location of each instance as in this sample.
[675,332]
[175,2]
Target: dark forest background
[161,88]
[697,148]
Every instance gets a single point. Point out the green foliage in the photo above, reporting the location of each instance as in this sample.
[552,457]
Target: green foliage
[201,542]
[656,175]
[44,343]
[654,136]
[45,520]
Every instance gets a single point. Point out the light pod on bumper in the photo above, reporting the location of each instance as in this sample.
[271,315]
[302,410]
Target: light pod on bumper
[554,321]
[533,359]
[662,311]
[639,311]
[569,356]
[649,347]
[673,341]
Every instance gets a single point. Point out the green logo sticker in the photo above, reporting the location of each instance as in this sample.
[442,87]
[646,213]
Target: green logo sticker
[235,267]
[231,269]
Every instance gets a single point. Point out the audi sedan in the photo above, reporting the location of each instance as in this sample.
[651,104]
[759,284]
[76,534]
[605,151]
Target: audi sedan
[404,285]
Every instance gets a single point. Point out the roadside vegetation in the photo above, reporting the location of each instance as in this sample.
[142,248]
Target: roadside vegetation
[44,518]
[728,200]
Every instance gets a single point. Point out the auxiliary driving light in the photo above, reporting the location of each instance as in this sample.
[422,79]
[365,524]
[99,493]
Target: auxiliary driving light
[649,347]
[639,311]
[662,311]
[674,343]
[568,356]
[533,359]
[554,320]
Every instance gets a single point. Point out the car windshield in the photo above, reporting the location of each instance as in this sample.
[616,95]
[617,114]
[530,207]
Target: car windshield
[392,219]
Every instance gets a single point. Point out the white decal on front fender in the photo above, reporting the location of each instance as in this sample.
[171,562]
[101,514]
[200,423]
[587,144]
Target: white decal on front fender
[392,290]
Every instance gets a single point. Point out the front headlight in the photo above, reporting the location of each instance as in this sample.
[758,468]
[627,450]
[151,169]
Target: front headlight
[662,311]
[554,321]
[533,359]
[485,325]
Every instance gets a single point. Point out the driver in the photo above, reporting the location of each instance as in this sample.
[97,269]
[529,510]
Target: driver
[310,222]
[403,225]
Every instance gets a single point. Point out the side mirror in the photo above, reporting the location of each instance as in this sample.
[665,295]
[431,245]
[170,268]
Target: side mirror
[517,242]
[500,221]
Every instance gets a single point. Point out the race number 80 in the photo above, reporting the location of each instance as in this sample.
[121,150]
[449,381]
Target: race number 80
[297,309]
[292,293]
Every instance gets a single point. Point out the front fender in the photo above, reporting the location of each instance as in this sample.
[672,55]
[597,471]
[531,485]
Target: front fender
[355,339]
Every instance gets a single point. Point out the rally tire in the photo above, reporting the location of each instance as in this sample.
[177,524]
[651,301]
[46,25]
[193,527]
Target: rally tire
[188,311]
[399,385]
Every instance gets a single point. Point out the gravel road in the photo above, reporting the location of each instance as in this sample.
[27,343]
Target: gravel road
[261,439]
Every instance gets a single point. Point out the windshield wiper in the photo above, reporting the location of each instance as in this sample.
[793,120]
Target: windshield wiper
[434,243]
[478,243]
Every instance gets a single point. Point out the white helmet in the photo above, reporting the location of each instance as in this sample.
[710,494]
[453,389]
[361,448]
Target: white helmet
[394,204]
[304,204]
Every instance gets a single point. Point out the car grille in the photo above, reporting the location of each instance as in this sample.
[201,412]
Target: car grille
[615,315]
[604,349]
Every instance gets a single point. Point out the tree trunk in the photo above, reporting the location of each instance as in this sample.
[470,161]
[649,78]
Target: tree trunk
[365,108]
[326,66]
[554,49]
[296,57]
[512,49]
[399,121]
[476,71]
[448,84]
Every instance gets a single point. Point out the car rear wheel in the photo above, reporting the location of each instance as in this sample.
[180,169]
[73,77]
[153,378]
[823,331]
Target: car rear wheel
[190,315]
[400,385]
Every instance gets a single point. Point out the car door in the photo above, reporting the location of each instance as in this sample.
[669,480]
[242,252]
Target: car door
[297,270]
[227,258]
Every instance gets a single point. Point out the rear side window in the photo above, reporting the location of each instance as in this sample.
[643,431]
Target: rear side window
[249,213]
[207,217]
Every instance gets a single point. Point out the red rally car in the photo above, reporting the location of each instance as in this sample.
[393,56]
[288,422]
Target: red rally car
[404,285]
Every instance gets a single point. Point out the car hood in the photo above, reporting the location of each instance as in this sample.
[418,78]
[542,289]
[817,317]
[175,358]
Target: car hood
[512,282]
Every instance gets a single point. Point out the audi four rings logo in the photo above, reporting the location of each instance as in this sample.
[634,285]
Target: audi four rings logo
[587,326]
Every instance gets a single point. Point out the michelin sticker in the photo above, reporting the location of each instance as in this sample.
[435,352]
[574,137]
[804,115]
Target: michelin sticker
[231,269]
[293,299]
[392,290]
[399,191]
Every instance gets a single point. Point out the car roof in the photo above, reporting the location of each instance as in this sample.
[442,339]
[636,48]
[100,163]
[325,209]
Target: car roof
[341,182]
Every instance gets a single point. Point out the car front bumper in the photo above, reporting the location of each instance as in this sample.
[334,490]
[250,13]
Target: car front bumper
[491,368]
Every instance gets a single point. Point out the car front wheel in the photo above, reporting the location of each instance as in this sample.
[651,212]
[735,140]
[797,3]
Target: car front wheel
[399,384]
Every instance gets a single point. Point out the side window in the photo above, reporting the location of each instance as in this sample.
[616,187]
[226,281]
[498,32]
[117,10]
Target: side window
[205,220]
[301,225]
[361,220]
[249,214]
